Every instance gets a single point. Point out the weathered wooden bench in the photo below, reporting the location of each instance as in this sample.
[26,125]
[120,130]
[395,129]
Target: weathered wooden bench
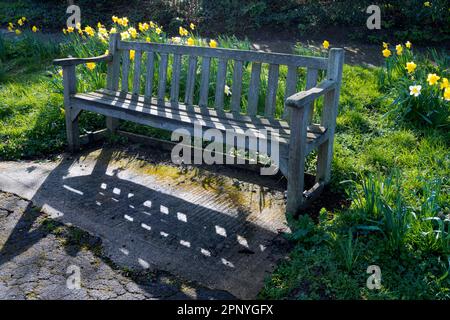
[297,135]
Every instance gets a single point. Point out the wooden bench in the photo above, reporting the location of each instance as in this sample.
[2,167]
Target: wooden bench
[297,135]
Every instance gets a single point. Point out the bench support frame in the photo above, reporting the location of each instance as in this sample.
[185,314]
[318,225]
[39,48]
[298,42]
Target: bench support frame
[297,198]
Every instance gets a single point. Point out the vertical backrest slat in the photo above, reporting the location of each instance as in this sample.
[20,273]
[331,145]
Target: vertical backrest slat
[137,72]
[204,83]
[291,87]
[190,82]
[114,65]
[236,91]
[311,82]
[162,78]
[150,70]
[271,94]
[125,69]
[175,84]
[220,83]
[253,94]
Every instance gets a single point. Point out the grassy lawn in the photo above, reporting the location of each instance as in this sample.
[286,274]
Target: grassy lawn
[393,168]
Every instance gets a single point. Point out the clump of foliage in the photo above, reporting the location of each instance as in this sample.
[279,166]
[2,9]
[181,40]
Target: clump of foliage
[418,85]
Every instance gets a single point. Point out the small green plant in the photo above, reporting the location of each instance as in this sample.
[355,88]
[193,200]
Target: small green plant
[346,249]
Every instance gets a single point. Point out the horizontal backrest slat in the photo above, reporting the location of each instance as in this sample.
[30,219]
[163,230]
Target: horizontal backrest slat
[230,54]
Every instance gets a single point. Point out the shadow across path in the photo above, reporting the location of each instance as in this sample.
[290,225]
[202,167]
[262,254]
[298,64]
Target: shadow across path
[146,222]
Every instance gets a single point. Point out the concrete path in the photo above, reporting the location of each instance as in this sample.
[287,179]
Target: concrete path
[51,255]
[219,231]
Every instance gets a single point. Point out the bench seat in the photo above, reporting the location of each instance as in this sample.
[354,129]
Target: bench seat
[166,115]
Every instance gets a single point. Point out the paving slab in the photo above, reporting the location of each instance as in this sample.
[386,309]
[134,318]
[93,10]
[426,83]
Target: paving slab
[221,230]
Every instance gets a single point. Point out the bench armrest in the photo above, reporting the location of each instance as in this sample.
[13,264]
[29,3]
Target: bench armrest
[75,61]
[304,98]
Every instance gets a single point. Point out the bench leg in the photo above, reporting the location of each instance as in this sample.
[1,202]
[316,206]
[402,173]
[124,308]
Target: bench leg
[324,155]
[73,133]
[71,114]
[297,154]
[112,124]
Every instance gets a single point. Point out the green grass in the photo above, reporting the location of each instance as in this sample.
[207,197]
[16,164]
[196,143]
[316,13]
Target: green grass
[407,235]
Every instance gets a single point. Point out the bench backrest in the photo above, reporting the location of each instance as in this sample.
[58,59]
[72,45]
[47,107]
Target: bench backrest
[204,71]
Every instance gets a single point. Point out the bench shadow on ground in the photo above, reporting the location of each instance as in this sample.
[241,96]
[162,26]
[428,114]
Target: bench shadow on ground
[145,228]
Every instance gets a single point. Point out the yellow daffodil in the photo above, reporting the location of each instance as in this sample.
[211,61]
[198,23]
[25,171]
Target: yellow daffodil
[415,90]
[447,94]
[20,22]
[158,30]
[432,79]
[427,4]
[11,25]
[64,31]
[408,45]
[113,30]
[18,31]
[80,31]
[90,65]
[190,42]
[385,45]
[133,33]
[114,19]
[70,29]
[107,52]
[213,43]
[227,90]
[34,29]
[152,24]
[387,53]
[411,66]
[148,39]
[124,35]
[78,26]
[143,26]
[182,31]
[89,31]
[122,21]
[326,44]
[192,26]
[10,28]
[60,72]
[399,49]
[176,40]
[444,83]
[132,54]
[24,19]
